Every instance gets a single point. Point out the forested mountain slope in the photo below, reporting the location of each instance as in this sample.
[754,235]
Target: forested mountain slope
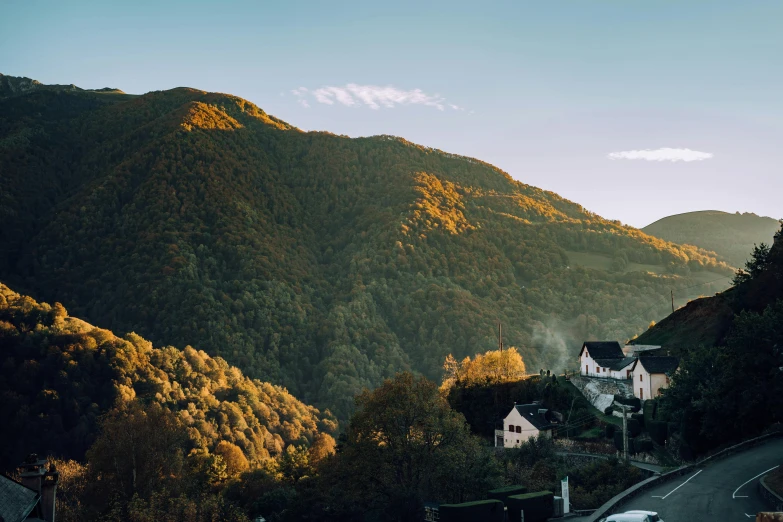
[729,385]
[708,321]
[58,374]
[730,235]
[311,260]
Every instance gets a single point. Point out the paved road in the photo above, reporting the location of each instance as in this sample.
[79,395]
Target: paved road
[724,490]
[642,465]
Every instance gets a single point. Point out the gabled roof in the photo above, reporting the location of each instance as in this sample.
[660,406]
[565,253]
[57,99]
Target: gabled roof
[615,364]
[530,414]
[16,500]
[659,364]
[603,349]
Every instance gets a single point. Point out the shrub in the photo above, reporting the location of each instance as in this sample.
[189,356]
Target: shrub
[634,429]
[650,409]
[537,506]
[504,493]
[659,431]
[608,410]
[642,445]
[610,429]
[634,402]
[638,417]
[490,510]
[618,440]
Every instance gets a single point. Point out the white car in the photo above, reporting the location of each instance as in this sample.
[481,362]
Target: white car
[634,516]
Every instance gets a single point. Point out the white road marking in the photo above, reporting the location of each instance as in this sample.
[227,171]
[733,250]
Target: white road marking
[734,495]
[749,516]
[681,485]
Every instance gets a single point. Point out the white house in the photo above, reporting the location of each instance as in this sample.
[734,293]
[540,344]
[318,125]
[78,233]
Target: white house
[522,422]
[651,374]
[604,359]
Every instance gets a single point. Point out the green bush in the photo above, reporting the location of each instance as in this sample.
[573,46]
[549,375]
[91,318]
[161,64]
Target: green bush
[537,506]
[610,429]
[608,410]
[634,429]
[650,408]
[634,402]
[490,510]
[504,493]
[642,445]
[638,417]
[659,431]
[618,440]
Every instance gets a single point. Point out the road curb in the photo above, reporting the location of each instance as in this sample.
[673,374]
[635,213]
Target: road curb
[619,499]
[770,496]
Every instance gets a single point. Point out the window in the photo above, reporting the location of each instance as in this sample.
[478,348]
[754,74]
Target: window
[519,429]
[511,427]
[586,370]
[641,393]
[641,377]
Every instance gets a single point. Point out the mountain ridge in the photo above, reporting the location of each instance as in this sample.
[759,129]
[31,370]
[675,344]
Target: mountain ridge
[320,262]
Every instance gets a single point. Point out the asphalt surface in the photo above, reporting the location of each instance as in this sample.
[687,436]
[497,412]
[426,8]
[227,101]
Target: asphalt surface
[724,490]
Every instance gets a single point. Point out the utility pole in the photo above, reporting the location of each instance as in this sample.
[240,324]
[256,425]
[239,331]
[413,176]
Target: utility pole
[625,433]
[672,301]
[569,416]
[500,336]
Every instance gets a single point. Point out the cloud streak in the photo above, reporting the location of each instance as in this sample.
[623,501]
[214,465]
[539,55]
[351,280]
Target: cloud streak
[372,96]
[664,154]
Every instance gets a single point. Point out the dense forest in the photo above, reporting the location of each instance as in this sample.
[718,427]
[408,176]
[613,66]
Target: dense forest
[59,375]
[730,383]
[140,433]
[318,262]
[731,236]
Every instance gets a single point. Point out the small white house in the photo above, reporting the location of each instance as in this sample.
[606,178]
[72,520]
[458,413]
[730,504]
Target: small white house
[522,422]
[604,359]
[651,374]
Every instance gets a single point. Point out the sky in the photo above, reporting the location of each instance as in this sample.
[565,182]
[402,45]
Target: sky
[634,109]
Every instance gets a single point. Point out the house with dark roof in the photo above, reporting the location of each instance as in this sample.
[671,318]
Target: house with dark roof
[31,499]
[525,421]
[651,374]
[604,359]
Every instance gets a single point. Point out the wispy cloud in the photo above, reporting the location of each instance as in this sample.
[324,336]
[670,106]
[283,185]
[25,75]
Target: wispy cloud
[372,96]
[664,154]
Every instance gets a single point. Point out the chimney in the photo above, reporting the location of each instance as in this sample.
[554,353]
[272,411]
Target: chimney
[35,476]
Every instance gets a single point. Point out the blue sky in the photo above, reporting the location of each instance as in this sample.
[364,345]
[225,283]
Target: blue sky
[544,90]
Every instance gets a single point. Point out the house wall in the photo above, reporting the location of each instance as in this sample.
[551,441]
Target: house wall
[641,383]
[657,383]
[512,440]
[589,368]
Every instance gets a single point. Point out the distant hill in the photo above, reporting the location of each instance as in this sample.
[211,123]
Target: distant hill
[730,235]
[58,374]
[314,261]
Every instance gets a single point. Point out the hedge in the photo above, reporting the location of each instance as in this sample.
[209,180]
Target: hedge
[538,507]
[634,402]
[634,429]
[659,431]
[504,493]
[618,440]
[610,429]
[638,417]
[650,409]
[490,510]
[608,410]
[642,445]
